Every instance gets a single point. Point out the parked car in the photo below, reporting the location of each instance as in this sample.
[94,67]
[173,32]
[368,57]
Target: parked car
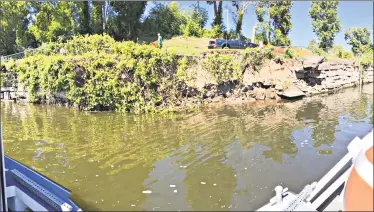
[230,44]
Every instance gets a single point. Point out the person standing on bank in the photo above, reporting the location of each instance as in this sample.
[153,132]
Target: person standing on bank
[159,40]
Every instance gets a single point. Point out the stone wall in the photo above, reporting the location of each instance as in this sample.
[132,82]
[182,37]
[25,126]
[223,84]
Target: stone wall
[305,76]
[320,76]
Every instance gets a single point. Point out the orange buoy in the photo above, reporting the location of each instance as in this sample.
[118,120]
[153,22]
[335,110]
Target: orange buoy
[359,187]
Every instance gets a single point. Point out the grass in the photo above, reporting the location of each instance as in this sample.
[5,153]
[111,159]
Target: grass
[187,45]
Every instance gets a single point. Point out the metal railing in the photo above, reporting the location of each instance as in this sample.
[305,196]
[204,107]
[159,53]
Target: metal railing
[18,55]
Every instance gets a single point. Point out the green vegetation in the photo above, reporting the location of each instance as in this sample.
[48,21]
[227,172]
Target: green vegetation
[223,67]
[359,39]
[278,23]
[131,77]
[280,13]
[98,73]
[325,22]
[255,58]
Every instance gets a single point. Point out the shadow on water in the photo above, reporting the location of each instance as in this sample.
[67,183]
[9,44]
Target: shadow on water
[225,157]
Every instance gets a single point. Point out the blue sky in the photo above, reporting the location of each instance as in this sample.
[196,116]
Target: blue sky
[350,13]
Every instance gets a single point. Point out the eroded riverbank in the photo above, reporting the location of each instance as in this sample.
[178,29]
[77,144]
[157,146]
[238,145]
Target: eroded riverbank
[240,152]
[98,74]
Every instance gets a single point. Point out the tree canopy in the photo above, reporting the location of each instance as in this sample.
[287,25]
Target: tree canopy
[29,24]
[358,38]
[325,22]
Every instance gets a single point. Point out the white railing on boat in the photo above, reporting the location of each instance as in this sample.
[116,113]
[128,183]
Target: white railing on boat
[324,194]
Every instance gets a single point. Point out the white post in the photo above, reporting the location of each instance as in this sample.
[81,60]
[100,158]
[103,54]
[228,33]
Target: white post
[227,24]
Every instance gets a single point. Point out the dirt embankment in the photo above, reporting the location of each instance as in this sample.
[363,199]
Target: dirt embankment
[291,79]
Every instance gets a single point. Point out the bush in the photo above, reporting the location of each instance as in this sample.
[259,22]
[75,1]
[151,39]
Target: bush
[191,29]
[289,54]
[338,51]
[314,48]
[214,32]
[133,77]
[222,67]
[255,57]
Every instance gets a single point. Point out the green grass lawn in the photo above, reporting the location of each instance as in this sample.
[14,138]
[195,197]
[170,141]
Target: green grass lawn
[187,45]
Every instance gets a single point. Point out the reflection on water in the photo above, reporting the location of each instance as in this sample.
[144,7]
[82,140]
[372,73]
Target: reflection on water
[220,158]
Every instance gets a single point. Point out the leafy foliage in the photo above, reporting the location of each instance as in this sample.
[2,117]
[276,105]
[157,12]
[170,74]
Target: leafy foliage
[278,22]
[126,24]
[255,57]
[199,15]
[289,54]
[339,52]
[358,38]
[130,77]
[325,22]
[315,49]
[165,19]
[218,11]
[222,67]
[280,14]
[366,58]
[13,21]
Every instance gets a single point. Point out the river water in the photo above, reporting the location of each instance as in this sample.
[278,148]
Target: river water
[219,158]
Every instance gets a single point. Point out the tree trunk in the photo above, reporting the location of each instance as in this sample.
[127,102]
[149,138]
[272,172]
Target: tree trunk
[215,9]
[269,23]
[239,23]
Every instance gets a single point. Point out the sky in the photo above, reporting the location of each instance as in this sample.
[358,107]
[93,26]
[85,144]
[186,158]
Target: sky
[350,13]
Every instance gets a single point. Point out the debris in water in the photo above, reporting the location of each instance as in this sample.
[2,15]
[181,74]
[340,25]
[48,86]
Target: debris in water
[175,191]
[112,166]
[245,168]
[183,166]
[97,175]
[203,183]
[172,186]
[132,205]
[147,192]
[214,184]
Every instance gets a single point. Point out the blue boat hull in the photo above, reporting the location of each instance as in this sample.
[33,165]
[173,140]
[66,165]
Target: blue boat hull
[49,194]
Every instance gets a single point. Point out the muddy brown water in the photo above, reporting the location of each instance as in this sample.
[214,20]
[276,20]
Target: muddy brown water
[219,158]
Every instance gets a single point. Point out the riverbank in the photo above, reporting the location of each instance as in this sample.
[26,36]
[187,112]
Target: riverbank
[97,73]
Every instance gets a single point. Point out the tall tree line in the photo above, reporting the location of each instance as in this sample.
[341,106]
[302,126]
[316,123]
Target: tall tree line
[29,24]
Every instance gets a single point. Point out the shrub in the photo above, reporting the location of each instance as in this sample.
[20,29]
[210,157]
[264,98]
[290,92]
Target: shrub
[133,77]
[255,57]
[222,67]
[214,32]
[314,48]
[289,54]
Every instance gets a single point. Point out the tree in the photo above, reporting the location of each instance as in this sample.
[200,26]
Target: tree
[281,21]
[263,27]
[125,25]
[218,10]
[199,15]
[164,19]
[13,27]
[325,22]
[241,8]
[97,18]
[358,38]
[53,21]
[84,17]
